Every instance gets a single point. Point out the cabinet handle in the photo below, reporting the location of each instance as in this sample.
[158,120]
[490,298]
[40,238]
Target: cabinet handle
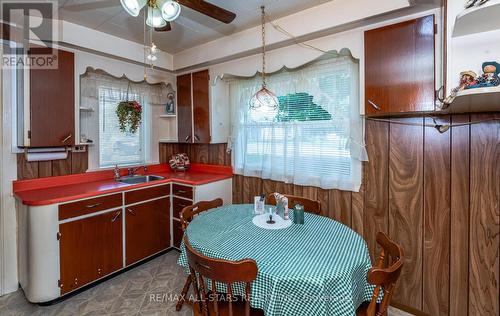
[196,138]
[99,271]
[187,138]
[66,139]
[181,191]
[374,105]
[116,216]
[93,205]
[76,281]
[131,211]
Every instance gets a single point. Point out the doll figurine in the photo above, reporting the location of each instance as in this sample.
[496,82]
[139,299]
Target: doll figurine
[467,79]
[490,77]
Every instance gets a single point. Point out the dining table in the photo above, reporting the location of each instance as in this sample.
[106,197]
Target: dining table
[316,268]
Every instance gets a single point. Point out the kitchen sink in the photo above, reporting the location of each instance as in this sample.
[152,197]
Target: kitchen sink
[139,179]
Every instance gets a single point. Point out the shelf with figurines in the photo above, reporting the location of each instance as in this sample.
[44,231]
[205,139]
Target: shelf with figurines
[475,93]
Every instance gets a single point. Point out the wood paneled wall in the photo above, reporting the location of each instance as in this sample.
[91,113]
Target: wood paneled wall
[75,163]
[438,195]
[214,154]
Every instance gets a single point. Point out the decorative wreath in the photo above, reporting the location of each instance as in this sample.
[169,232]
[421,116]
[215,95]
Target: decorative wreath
[129,116]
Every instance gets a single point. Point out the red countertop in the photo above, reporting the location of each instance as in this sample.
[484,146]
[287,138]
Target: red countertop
[52,190]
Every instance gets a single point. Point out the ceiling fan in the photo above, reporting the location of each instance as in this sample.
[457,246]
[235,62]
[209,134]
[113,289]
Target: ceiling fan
[161,12]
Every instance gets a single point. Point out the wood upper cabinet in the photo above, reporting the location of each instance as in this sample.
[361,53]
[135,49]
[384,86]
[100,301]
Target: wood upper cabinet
[52,101]
[184,109]
[147,229]
[399,67]
[201,116]
[90,248]
[193,108]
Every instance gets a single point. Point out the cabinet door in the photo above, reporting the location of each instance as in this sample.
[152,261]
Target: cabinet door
[90,248]
[201,116]
[52,102]
[147,229]
[399,67]
[184,109]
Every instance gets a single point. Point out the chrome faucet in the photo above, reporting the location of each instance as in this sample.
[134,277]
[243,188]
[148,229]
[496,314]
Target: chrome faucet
[132,171]
[116,171]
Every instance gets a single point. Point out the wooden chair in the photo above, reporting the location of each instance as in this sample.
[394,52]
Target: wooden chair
[187,215]
[384,276]
[221,271]
[310,206]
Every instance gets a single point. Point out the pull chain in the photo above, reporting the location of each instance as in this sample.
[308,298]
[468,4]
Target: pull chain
[263,22]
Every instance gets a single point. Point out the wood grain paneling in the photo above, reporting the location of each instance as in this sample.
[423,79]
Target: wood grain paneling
[424,205]
[214,154]
[406,206]
[459,233]
[436,254]
[376,213]
[73,164]
[484,238]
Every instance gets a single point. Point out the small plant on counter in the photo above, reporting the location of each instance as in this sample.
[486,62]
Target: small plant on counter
[129,116]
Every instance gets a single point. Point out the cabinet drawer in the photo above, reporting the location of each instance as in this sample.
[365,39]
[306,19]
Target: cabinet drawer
[178,205]
[178,233]
[88,206]
[147,194]
[182,190]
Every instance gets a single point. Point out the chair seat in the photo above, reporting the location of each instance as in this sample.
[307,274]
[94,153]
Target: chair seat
[238,309]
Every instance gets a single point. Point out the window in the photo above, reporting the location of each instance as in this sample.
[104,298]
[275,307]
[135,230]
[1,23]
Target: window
[116,147]
[308,139]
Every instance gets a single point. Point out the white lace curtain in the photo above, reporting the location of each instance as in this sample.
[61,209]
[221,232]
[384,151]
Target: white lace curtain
[316,136]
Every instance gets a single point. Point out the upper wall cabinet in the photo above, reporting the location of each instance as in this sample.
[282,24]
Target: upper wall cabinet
[399,68]
[202,109]
[52,102]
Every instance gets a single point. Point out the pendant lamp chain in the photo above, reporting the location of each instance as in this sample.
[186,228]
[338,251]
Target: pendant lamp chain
[264,97]
[263,24]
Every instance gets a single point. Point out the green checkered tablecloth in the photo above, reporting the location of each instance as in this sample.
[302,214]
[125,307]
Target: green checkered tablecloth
[318,268]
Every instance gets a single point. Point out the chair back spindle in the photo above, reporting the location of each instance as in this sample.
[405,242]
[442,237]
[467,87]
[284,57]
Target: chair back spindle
[189,212]
[221,271]
[383,275]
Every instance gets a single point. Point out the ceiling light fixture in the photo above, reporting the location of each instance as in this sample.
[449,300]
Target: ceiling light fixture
[264,97]
[133,7]
[154,18]
[170,10]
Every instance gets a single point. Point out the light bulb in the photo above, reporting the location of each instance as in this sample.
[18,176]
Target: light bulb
[154,18]
[133,7]
[170,10]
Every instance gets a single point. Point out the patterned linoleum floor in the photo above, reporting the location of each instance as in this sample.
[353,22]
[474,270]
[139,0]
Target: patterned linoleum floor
[148,289]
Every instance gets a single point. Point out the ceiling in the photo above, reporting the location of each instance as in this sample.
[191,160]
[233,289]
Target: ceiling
[189,30]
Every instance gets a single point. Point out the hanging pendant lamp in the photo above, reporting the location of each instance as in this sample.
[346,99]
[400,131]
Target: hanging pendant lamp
[264,97]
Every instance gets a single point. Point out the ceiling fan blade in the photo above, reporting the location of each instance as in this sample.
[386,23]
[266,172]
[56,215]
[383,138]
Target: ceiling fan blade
[166,28]
[91,6]
[209,9]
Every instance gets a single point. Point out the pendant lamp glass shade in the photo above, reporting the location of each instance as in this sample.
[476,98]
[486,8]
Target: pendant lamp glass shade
[264,98]
[154,18]
[133,7]
[170,10]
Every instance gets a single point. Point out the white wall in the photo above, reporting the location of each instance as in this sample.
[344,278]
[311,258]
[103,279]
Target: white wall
[315,19]
[294,55]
